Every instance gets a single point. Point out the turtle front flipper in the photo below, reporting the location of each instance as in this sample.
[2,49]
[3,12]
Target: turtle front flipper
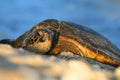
[13,43]
[6,41]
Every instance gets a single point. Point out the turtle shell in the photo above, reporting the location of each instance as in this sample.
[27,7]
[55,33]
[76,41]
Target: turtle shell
[79,40]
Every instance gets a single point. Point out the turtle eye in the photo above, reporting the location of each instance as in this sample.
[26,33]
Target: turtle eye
[42,38]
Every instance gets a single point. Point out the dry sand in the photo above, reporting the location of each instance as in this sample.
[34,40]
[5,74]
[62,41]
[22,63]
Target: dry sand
[18,64]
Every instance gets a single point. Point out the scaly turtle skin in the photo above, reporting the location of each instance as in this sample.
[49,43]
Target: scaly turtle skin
[53,36]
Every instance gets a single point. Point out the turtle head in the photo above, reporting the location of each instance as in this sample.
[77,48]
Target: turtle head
[39,41]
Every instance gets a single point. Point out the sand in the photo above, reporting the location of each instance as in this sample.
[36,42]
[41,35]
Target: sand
[19,64]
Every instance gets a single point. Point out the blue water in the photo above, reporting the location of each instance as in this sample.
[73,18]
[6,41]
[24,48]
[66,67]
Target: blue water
[103,16]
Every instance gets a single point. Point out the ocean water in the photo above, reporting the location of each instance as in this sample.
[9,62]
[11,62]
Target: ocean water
[103,16]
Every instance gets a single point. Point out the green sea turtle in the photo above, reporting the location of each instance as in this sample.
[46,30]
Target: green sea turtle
[53,36]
